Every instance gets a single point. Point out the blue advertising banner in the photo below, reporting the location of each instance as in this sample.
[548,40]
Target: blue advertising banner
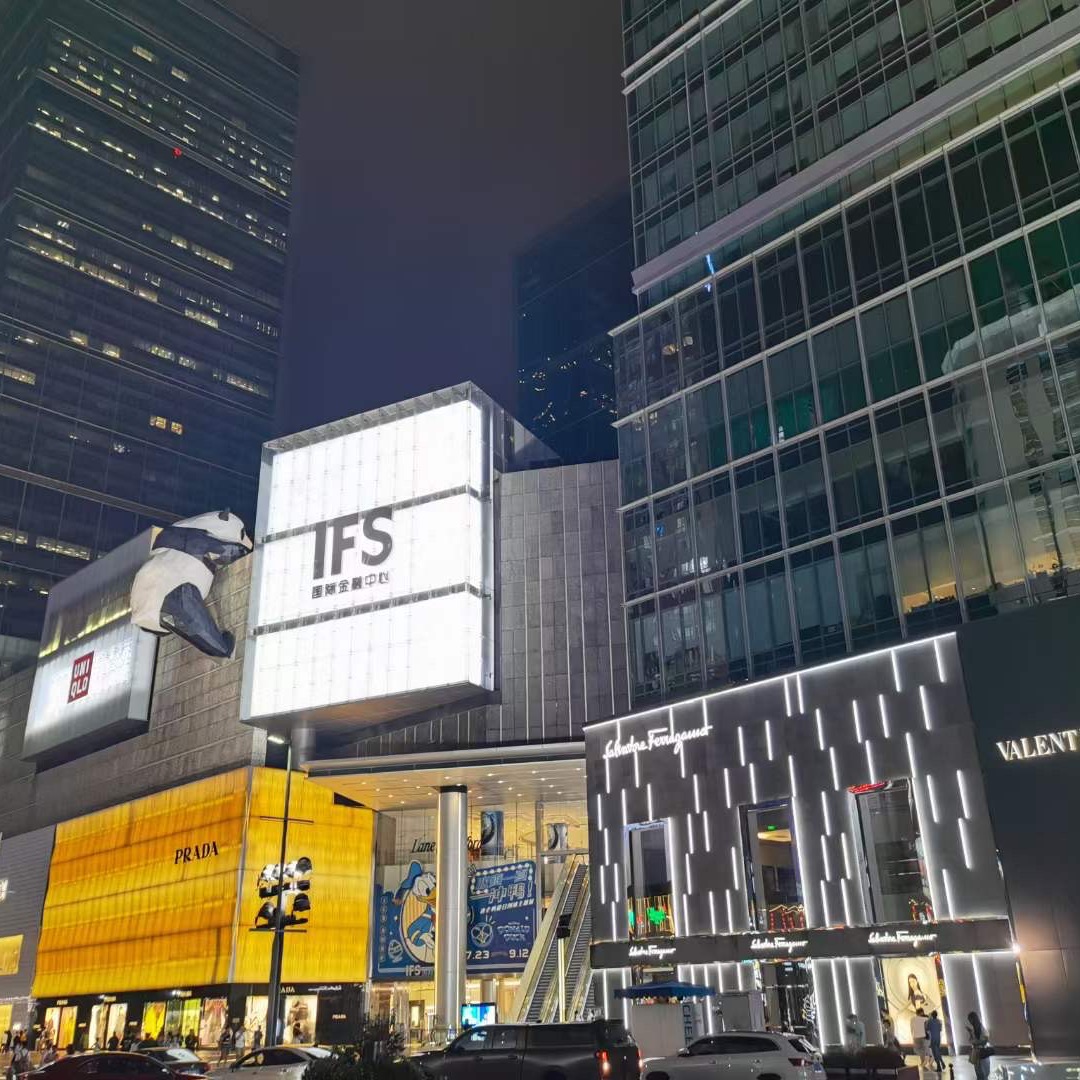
[501,929]
[502,917]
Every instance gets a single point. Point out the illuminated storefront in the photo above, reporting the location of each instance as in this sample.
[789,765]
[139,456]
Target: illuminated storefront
[808,846]
[149,923]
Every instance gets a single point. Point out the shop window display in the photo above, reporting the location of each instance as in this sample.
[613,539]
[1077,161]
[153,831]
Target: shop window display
[649,907]
[772,870]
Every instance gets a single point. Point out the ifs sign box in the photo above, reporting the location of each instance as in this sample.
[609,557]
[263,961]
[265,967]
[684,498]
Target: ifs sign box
[372,592]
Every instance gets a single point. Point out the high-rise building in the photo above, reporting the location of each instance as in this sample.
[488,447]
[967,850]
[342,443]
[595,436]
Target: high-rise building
[146,154]
[573,285]
[849,408]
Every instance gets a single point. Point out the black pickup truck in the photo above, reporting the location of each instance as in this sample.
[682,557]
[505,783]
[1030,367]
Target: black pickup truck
[596,1050]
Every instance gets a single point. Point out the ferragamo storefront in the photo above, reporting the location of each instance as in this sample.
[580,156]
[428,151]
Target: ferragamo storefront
[808,846]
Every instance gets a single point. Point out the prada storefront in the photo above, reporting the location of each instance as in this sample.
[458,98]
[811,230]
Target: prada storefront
[151,923]
[820,843]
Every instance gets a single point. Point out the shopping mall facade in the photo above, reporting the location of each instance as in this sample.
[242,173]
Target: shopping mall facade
[433,613]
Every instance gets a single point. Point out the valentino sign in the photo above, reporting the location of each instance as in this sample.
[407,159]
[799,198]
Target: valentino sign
[656,738]
[1040,746]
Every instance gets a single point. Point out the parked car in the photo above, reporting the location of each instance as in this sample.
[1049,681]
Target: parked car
[279,1062]
[109,1065]
[740,1055]
[177,1060]
[596,1050]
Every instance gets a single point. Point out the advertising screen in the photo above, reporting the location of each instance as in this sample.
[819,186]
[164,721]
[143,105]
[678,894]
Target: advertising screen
[374,537]
[95,668]
[148,894]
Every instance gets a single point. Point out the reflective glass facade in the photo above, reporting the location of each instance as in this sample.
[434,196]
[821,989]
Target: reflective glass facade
[573,285]
[145,172]
[861,425]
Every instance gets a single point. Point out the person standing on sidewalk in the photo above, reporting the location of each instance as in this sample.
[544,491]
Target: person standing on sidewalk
[980,1046]
[933,1035]
[240,1041]
[918,1037]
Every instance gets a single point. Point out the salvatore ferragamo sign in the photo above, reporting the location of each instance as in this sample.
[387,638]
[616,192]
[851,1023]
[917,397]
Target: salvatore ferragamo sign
[656,739]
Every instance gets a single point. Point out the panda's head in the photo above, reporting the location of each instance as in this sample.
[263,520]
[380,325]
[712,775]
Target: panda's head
[221,525]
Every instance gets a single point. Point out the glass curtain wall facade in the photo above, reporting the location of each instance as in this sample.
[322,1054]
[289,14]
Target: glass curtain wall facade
[572,285]
[862,422]
[145,173]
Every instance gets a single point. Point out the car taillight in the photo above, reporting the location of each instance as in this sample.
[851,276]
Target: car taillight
[605,1062]
[640,1061]
[801,1062]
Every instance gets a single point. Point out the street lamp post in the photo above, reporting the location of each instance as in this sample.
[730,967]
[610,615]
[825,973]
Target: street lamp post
[273,1004]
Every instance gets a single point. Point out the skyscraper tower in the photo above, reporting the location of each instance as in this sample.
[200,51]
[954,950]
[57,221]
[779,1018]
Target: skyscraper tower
[850,405]
[145,171]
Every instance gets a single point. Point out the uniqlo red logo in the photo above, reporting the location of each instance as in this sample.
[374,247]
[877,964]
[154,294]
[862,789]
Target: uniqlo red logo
[80,677]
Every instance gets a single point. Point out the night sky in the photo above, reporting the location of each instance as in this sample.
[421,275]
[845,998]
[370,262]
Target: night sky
[436,140]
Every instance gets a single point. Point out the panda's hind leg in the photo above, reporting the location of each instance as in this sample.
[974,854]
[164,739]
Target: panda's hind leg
[184,612]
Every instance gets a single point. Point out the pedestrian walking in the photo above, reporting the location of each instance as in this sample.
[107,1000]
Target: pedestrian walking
[256,1043]
[918,1037]
[979,1056]
[225,1043]
[855,1031]
[190,1041]
[933,1037]
[240,1041]
[114,1042]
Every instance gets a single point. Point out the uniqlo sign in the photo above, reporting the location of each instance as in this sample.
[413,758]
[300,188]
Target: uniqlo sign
[80,677]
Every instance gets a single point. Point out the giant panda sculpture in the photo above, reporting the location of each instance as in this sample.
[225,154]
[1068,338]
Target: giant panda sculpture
[169,591]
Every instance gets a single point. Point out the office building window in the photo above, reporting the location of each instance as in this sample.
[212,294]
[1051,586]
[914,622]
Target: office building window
[667,445]
[945,326]
[890,348]
[638,551]
[781,294]
[748,411]
[967,449]
[722,621]
[818,616]
[854,473]
[1048,514]
[714,525]
[759,510]
[839,372]
[644,649]
[924,570]
[633,460]
[868,588]
[792,389]
[698,340]
[904,439]
[802,486]
[681,641]
[1055,251]
[926,217]
[674,540]
[740,335]
[768,618]
[705,430]
[825,270]
[661,355]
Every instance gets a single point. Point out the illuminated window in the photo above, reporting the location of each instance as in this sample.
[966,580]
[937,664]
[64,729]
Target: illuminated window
[163,424]
[178,74]
[187,362]
[144,54]
[159,422]
[201,316]
[8,371]
[772,871]
[648,884]
[111,350]
[78,337]
[61,547]
[176,427]
[13,536]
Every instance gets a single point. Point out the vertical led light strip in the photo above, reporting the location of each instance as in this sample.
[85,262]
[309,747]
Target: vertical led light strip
[826,918]
[742,745]
[934,814]
[820,729]
[884,710]
[690,834]
[961,784]
[965,845]
[848,921]
[614,921]
[787,697]
[909,742]
[603,891]
[979,991]
[727,787]
[797,822]
[870,761]
[712,912]
[626,1001]
[768,737]
[857,719]
[697,796]
[951,912]
[835,768]
[791,776]
[637,769]
[895,671]
[753,783]
[730,912]
[607,775]
[607,849]
[826,864]
[599,811]
[940,661]
[648,800]
[798,693]
[847,858]
[925,703]
[825,815]
[625,819]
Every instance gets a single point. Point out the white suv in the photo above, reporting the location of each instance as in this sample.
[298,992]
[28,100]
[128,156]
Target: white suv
[740,1055]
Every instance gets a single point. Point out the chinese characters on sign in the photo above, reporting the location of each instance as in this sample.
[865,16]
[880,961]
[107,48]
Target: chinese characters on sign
[336,588]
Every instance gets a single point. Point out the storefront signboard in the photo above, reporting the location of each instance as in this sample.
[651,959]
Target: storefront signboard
[900,940]
[1027,747]
[95,667]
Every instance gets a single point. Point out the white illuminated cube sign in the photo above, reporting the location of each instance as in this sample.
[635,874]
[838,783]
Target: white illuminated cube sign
[95,667]
[371,591]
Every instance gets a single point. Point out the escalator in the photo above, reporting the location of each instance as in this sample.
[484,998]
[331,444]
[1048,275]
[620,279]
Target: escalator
[537,999]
